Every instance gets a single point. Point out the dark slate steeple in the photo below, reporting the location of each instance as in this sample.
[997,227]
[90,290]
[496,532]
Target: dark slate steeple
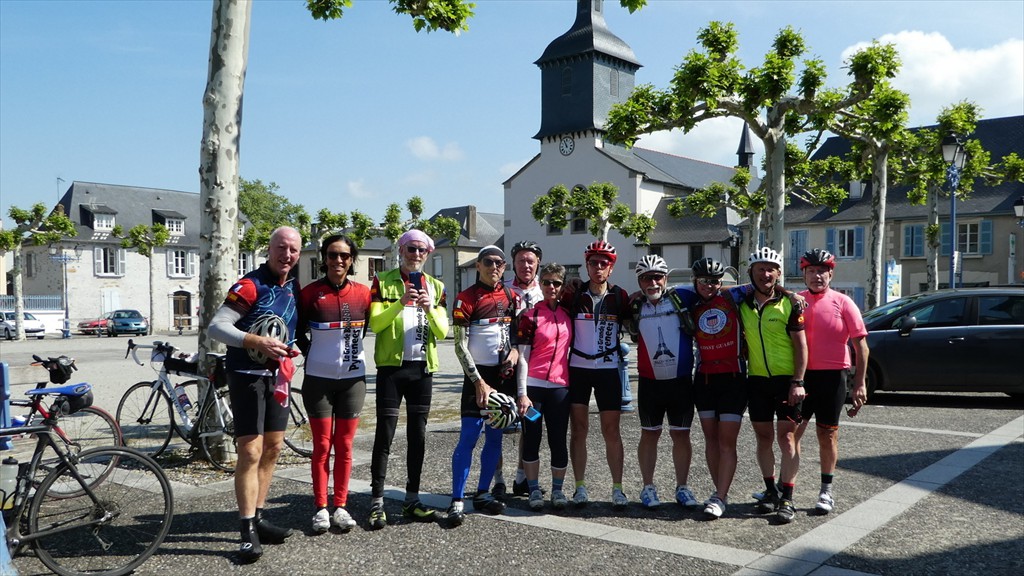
[584,72]
[745,152]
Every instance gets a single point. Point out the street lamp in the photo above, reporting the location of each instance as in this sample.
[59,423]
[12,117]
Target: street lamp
[1018,211]
[57,255]
[953,153]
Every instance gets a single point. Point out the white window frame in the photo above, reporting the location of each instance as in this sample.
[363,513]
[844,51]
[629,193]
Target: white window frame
[182,263]
[103,221]
[846,242]
[175,226]
[437,266]
[108,261]
[245,263]
[968,230]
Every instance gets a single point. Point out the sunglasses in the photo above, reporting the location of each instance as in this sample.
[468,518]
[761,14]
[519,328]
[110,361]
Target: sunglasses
[493,263]
[709,281]
[343,256]
[652,277]
[599,263]
[555,283]
[416,250]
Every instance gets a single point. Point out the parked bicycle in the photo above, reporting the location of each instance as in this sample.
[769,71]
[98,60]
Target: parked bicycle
[101,511]
[90,427]
[150,413]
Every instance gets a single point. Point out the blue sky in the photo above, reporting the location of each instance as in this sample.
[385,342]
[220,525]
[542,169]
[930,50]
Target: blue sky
[362,112]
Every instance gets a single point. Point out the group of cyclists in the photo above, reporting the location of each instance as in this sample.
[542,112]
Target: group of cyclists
[534,350]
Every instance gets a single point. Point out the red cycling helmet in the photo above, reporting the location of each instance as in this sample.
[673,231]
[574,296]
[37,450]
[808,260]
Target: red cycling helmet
[600,248]
[818,257]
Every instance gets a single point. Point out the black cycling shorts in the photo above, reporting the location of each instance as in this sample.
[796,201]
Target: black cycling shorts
[326,397]
[492,376]
[826,394]
[658,398]
[718,395]
[769,398]
[604,382]
[253,405]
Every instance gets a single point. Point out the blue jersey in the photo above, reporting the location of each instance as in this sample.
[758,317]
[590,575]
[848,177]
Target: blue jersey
[258,294]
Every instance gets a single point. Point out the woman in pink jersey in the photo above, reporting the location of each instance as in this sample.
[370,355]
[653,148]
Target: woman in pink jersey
[333,312]
[545,336]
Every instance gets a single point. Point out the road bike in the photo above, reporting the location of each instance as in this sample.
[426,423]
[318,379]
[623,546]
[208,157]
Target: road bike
[100,511]
[150,413]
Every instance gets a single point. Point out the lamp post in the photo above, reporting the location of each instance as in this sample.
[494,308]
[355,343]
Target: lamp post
[1018,211]
[953,153]
[57,255]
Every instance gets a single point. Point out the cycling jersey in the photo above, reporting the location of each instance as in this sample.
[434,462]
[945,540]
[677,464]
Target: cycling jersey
[336,320]
[766,333]
[665,351]
[831,319]
[406,332]
[597,324]
[549,334]
[487,313]
[255,295]
[718,334]
[529,296]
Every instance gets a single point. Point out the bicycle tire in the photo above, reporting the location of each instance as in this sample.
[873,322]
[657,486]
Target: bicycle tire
[145,418]
[90,427]
[192,391]
[298,435]
[218,443]
[137,497]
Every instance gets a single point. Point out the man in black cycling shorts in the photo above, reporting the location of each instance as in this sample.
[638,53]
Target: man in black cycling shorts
[257,321]
[831,321]
[597,309]
[773,330]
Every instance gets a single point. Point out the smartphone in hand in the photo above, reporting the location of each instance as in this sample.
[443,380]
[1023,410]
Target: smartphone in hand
[416,279]
[532,414]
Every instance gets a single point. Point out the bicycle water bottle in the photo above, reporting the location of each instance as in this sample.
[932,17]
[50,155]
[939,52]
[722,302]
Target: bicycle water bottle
[182,397]
[8,482]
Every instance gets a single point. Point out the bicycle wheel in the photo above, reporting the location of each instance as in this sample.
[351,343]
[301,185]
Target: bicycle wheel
[144,415]
[298,435]
[112,527]
[192,391]
[216,432]
[90,427]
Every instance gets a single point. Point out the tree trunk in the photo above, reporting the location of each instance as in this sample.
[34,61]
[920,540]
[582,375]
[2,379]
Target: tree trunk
[152,296]
[219,159]
[19,293]
[876,237]
[933,241]
[775,166]
[755,231]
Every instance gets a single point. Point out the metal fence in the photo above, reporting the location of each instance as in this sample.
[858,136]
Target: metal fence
[40,303]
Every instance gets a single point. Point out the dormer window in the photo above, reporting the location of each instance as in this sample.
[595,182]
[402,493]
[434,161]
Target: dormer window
[103,222]
[175,226]
[99,216]
[173,221]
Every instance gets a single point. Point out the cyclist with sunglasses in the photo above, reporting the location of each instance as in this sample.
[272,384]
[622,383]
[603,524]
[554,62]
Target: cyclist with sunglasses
[408,312]
[833,323]
[661,323]
[332,322]
[773,331]
[484,344]
[598,310]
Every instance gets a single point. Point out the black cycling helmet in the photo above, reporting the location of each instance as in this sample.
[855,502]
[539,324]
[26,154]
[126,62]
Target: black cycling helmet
[818,257]
[527,245]
[708,267]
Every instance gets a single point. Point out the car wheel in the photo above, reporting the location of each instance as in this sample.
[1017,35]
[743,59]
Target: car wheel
[7,334]
[872,382]
[40,337]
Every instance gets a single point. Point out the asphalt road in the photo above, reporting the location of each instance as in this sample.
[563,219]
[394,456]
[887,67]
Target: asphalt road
[927,484]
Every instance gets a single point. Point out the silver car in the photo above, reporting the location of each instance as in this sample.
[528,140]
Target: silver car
[33,326]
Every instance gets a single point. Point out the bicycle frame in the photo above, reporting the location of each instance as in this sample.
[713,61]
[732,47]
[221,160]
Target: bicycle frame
[162,379]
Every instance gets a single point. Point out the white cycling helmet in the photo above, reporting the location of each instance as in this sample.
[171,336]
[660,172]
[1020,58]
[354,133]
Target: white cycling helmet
[270,325]
[766,254]
[501,411]
[651,263]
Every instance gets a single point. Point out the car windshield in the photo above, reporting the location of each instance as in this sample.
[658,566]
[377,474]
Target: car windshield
[29,316]
[893,306]
[128,314]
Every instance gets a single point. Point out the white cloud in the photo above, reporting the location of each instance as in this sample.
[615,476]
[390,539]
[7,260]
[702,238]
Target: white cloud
[357,189]
[936,74]
[425,148]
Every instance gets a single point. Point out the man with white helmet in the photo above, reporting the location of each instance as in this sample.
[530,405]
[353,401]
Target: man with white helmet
[773,330]
[661,323]
[833,322]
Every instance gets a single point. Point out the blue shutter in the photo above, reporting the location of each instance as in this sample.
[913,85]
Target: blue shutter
[985,237]
[858,242]
[908,241]
[946,242]
[858,297]
[830,240]
[918,239]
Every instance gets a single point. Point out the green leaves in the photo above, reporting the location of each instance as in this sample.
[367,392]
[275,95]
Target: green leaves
[598,204]
[143,238]
[36,225]
[266,210]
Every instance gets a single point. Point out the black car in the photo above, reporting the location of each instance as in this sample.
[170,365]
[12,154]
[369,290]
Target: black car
[960,340]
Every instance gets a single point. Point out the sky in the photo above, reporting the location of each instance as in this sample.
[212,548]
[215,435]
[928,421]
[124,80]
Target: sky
[363,111]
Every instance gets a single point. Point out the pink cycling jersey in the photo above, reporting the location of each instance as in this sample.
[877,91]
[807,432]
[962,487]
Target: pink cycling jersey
[830,321]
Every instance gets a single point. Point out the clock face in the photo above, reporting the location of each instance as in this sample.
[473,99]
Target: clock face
[566,146]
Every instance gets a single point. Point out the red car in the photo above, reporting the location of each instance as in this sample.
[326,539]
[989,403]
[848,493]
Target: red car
[97,326]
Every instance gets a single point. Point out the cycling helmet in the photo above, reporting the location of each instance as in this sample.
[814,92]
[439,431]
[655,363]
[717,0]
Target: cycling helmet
[766,254]
[270,325]
[529,245]
[818,257]
[501,411]
[601,248]
[708,267]
[651,263]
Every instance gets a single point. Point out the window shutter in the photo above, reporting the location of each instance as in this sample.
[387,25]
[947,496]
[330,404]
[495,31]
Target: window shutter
[97,260]
[918,239]
[120,261]
[985,237]
[170,263]
[830,240]
[908,241]
[946,242]
[858,242]
[193,263]
[858,297]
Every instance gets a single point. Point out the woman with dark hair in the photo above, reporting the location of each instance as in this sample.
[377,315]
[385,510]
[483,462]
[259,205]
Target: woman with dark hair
[333,312]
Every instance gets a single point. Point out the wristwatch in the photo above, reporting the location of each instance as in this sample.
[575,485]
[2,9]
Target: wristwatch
[796,383]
